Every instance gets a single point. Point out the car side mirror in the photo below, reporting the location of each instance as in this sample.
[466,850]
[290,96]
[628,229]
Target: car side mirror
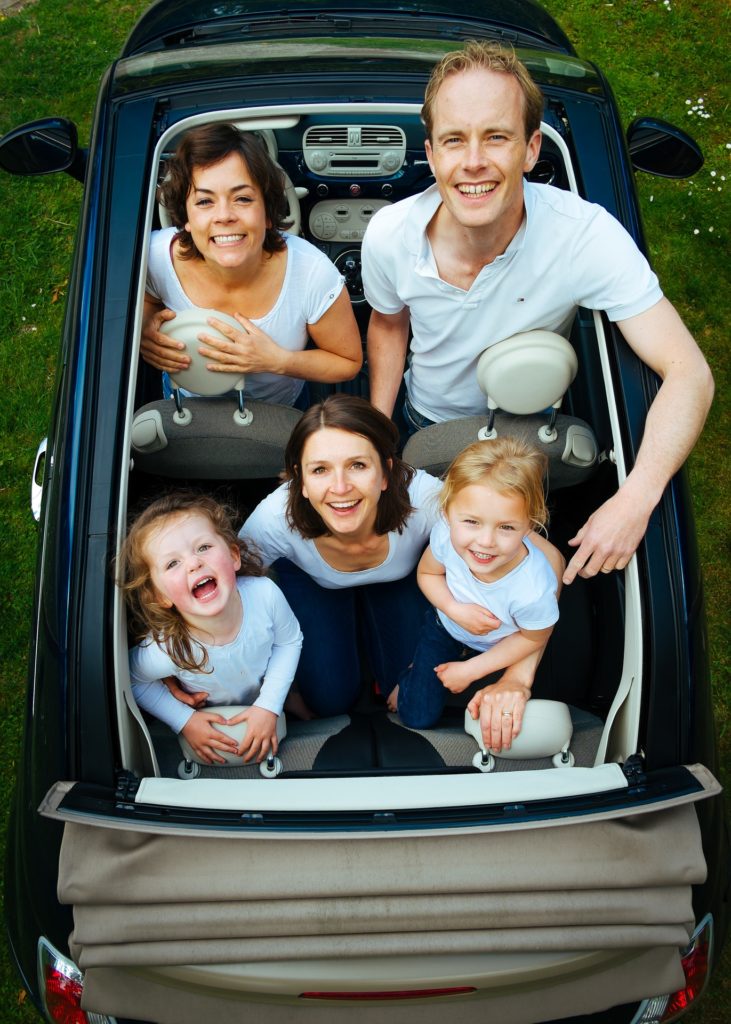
[43,147]
[660,148]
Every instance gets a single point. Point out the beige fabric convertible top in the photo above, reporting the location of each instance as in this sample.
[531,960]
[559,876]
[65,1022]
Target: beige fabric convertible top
[151,899]
[615,891]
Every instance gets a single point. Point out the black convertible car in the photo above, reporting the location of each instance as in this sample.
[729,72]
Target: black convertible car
[405,884]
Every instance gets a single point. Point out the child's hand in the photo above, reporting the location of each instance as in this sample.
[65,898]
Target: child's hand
[261,733]
[455,675]
[205,739]
[473,617]
[193,700]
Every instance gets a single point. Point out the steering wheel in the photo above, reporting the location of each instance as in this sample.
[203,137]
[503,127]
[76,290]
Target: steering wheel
[292,219]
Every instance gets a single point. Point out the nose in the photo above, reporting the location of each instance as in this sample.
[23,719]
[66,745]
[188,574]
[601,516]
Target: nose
[486,538]
[224,210]
[474,154]
[194,561]
[340,484]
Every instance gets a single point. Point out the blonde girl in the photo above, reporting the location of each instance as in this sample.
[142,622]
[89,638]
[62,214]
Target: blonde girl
[492,590]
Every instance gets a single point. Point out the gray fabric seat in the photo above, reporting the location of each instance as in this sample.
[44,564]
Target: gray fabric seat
[215,444]
[526,378]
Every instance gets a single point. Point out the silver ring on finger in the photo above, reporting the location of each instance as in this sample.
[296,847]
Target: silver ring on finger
[507,714]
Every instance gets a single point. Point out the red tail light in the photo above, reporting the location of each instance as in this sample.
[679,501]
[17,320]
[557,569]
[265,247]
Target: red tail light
[696,963]
[63,997]
[61,985]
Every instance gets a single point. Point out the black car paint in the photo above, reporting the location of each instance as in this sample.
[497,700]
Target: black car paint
[70,731]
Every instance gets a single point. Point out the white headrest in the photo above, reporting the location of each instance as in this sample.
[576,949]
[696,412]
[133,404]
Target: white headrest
[527,373]
[186,327]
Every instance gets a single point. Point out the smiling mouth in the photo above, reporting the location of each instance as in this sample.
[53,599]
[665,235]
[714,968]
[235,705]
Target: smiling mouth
[482,558]
[343,506]
[226,239]
[476,190]
[204,588]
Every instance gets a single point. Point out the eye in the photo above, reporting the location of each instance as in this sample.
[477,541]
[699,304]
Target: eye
[497,138]
[244,199]
[470,522]
[205,546]
[358,465]
[506,526]
[317,470]
[171,564]
[203,202]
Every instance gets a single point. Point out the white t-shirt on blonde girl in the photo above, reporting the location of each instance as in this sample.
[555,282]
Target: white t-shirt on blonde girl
[525,598]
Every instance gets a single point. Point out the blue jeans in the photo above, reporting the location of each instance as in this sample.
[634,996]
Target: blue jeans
[384,617]
[413,419]
[421,696]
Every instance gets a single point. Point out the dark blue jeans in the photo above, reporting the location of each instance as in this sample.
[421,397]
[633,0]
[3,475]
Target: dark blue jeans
[421,696]
[381,620]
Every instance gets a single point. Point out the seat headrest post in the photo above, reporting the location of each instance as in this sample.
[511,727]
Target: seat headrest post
[182,416]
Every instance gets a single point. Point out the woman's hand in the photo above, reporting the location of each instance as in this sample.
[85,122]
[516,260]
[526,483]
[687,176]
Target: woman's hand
[248,350]
[193,700]
[261,733]
[500,708]
[157,349]
[472,617]
[205,739]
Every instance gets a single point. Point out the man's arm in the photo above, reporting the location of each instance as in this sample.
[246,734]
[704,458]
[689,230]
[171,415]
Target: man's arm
[388,340]
[611,535]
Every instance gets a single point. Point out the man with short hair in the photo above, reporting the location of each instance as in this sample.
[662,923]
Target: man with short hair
[482,255]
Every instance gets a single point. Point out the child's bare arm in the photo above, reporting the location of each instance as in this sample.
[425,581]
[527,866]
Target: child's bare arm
[432,580]
[457,675]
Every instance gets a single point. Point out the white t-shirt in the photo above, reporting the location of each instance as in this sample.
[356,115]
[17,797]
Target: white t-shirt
[257,667]
[267,527]
[311,284]
[525,598]
[568,253]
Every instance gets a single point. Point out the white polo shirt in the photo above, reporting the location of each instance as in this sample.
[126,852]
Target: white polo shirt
[568,253]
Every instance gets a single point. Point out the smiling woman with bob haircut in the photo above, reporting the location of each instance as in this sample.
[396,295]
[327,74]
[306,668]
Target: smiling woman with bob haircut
[344,533]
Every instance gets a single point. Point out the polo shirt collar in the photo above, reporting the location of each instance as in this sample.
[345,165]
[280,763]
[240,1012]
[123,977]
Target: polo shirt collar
[427,204]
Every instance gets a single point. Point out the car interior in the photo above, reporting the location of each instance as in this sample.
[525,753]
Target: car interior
[341,163]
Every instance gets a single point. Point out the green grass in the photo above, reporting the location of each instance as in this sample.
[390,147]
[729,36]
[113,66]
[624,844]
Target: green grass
[656,58]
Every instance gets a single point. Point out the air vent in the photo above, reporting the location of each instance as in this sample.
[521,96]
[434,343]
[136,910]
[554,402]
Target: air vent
[354,150]
[324,135]
[375,135]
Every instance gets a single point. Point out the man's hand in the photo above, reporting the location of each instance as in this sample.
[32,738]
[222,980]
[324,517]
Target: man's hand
[205,739]
[499,708]
[193,700]
[261,733]
[610,536]
[473,617]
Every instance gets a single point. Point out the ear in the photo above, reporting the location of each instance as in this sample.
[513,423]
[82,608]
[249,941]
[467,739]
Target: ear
[236,556]
[384,482]
[429,154]
[533,151]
